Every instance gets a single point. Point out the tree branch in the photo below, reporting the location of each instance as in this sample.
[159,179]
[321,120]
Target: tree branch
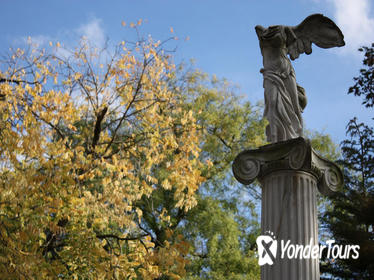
[138,87]
[97,130]
[4,80]
[102,236]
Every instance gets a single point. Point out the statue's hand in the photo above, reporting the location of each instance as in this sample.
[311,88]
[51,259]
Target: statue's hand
[259,30]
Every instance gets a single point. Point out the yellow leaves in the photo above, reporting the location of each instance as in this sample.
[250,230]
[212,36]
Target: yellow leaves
[77,76]
[151,179]
[164,217]
[133,25]
[166,184]
[98,222]
[209,163]
[77,201]
[67,82]
[139,213]
[170,257]
[43,238]
[5,88]
[37,76]
[55,170]
[72,127]
[184,121]
[106,181]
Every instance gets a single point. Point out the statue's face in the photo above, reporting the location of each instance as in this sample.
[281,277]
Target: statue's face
[272,35]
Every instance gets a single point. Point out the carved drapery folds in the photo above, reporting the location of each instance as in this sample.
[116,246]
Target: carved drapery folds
[294,154]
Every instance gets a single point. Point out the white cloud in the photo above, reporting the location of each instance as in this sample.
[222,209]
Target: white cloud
[93,32]
[40,40]
[36,41]
[357,24]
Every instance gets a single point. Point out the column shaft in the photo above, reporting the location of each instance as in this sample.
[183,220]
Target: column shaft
[289,211]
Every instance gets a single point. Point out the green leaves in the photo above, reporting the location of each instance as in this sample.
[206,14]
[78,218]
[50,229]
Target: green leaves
[349,215]
[365,81]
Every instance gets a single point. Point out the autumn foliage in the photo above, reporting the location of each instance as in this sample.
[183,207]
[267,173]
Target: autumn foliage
[84,135]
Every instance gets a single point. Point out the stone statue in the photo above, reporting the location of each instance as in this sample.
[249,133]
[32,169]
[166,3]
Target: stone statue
[284,98]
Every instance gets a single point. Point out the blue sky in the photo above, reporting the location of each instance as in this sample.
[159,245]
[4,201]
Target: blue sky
[222,41]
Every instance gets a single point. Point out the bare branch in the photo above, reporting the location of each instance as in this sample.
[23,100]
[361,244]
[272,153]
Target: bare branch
[97,130]
[102,236]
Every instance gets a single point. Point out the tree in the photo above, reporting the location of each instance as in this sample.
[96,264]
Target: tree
[227,126]
[103,152]
[349,218]
[82,135]
[364,85]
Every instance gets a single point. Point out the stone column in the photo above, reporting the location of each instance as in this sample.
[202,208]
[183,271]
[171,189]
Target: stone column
[290,173]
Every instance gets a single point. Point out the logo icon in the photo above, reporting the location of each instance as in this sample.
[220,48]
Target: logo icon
[267,248]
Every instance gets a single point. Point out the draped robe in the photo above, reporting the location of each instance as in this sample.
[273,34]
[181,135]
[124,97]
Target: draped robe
[282,108]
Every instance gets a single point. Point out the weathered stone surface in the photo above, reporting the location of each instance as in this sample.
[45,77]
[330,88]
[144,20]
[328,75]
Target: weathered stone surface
[290,172]
[284,98]
[289,211]
[294,154]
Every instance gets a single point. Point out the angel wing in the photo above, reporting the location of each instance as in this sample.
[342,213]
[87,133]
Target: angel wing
[316,29]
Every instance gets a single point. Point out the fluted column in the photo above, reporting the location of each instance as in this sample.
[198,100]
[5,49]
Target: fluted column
[289,211]
[290,174]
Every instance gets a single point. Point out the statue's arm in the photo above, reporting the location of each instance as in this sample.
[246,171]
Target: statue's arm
[259,30]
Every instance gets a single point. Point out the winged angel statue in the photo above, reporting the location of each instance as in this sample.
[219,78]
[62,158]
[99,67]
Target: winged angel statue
[284,98]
